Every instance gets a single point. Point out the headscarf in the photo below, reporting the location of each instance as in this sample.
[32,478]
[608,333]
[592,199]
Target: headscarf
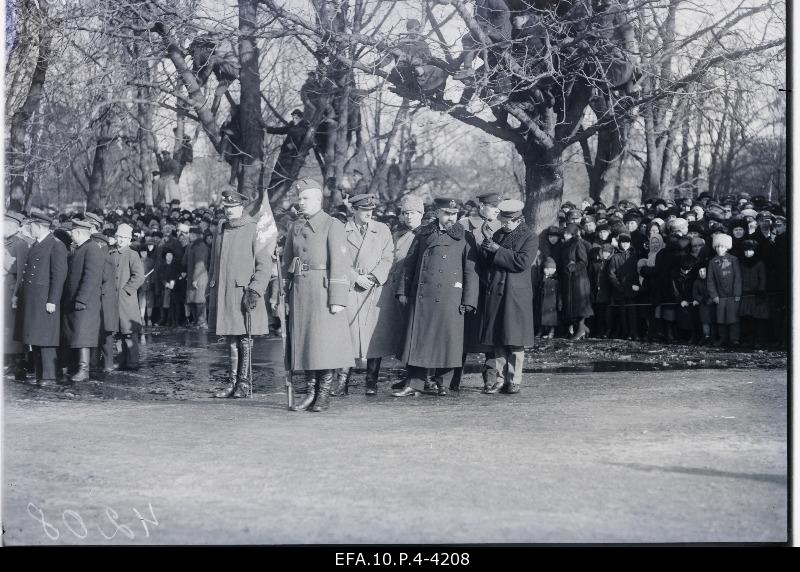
[656,244]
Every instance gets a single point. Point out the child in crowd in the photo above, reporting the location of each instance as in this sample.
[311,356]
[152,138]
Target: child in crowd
[682,284]
[703,305]
[725,288]
[601,290]
[549,299]
[754,310]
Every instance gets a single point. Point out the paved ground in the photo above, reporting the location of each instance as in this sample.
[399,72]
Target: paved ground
[651,454]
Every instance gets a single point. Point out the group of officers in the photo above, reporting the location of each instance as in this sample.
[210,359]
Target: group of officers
[427,294]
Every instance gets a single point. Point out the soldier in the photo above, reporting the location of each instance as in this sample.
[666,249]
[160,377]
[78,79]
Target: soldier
[369,246]
[13,264]
[316,264]
[81,298]
[507,309]
[439,285]
[109,296]
[129,276]
[37,298]
[241,264]
[197,255]
[481,227]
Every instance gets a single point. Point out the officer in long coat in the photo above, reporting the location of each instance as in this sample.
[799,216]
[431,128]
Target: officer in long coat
[369,249]
[38,298]
[507,309]
[197,260]
[480,227]
[109,296]
[16,254]
[439,285]
[241,265]
[129,276]
[316,265]
[80,300]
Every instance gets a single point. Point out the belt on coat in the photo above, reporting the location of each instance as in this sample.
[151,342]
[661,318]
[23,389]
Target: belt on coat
[297,266]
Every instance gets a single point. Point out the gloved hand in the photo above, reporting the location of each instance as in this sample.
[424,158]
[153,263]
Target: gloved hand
[50,308]
[635,288]
[463,309]
[364,282]
[79,306]
[695,303]
[490,245]
[336,308]
[402,299]
[571,267]
[716,299]
[251,298]
[684,304]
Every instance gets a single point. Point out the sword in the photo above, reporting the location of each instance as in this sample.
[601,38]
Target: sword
[287,376]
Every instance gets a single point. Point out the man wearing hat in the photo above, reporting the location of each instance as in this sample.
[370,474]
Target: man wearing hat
[439,285]
[81,298]
[16,254]
[197,258]
[295,131]
[129,276]
[482,227]
[37,298]
[370,254]
[241,266]
[507,309]
[317,270]
[109,296]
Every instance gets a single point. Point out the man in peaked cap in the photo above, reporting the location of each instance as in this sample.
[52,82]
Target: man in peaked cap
[239,273]
[16,254]
[370,254]
[37,298]
[439,285]
[109,296]
[507,308]
[129,276]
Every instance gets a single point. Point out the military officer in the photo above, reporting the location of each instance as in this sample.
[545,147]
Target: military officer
[80,301]
[507,309]
[109,296]
[37,298]
[369,249]
[439,285]
[481,227]
[316,264]
[241,265]
[129,276]
[13,264]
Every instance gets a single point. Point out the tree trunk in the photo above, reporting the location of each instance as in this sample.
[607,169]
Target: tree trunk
[17,151]
[97,176]
[144,137]
[250,123]
[379,183]
[544,188]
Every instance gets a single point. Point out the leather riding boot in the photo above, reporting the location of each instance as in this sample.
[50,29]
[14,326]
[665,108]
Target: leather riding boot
[302,386]
[342,382]
[20,373]
[233,354]
[244,374]
[84,354]
[310,396]
[325,382]
[373,369]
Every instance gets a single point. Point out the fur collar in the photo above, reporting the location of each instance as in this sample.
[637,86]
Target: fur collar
[511,239]
[456,231]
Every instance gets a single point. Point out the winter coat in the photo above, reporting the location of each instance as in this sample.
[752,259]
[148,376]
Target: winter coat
[472,321]
[601,285]
[754,287]
[439,276]
[392,313]
[622,275]
[109,296]
[129,276]
[372,254]
[507,309]
[42,283]
[81,328]
[725,281]
[16,254]
[706,308]
[682,292]
[576,294]
[316,264]
[549,301]
[241,258]
[196,256]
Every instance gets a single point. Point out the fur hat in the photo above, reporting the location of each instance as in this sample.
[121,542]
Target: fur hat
[722,239]
[679,224]
[549,263]
[698,241]
[749,245]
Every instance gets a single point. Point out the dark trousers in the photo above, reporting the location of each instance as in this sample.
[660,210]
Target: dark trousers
[421,374]
[489,369]
[45,361]
[130,351]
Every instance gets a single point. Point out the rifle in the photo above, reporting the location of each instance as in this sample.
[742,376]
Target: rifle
[287,379]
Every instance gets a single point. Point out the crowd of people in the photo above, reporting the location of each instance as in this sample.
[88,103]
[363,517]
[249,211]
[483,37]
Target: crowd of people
[428,284]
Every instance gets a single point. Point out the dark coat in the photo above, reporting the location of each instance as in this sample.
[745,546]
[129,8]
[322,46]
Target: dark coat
[754,287]
[42,283]
[573,268]
[601,285]
[507,312]
[725,281]
[705,308]
[622,274]
[549,301]
[681,285]
[81,328]
[109,296]
[317,338]
[290,148]
[439,276]
[472,321]
[129,276]
[16,254]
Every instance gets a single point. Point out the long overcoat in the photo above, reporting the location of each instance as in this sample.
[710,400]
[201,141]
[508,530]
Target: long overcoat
[391,328]
[574,277]
[754,287]
[438,277]
[129,276]
[476,226]
[507,314]
[81,328]
[241,258]
[42,283]
[16,254]
[724,280]
[109,296]
[371,254]
[315,262]
[197,255]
